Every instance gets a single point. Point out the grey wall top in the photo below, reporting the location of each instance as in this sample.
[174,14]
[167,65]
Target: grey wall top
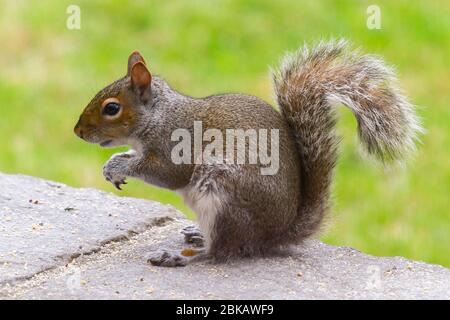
[62,242]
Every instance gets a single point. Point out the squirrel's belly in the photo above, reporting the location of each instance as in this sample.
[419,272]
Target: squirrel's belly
[205,203]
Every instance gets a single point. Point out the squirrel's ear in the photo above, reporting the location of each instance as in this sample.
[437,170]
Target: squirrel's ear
[132,59]
[141,79]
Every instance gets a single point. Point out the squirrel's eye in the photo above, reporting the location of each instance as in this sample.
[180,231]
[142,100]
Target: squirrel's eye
[111,109]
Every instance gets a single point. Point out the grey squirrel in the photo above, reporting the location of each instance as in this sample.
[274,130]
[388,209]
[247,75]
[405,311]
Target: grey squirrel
[242,212]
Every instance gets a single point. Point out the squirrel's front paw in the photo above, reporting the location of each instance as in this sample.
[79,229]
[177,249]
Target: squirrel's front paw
[115,169]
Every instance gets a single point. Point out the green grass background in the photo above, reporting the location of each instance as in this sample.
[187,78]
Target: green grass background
[49,73]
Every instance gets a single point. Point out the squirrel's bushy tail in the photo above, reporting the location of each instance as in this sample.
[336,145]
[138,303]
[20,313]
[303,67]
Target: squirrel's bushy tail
[308,84]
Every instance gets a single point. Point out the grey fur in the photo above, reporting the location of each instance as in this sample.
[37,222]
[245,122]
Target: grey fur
[251,213]
[388,125]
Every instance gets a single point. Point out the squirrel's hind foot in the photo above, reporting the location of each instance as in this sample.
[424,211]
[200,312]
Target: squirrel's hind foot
[194,236]
[165,258]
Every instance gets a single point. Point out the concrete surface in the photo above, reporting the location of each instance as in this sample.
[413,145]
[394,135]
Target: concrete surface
[71,243]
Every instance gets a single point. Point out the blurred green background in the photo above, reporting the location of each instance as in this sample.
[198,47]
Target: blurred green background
[48,73]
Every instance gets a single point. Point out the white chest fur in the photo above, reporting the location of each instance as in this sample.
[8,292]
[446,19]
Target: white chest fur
[206,204]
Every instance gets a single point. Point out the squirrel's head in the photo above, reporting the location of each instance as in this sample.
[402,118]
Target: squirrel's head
[111,117]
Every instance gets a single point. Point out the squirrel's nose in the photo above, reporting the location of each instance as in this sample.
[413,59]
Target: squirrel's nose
[78,131]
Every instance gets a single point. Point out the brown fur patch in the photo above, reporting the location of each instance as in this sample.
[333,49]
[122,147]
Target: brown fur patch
[96,127]
[188,252]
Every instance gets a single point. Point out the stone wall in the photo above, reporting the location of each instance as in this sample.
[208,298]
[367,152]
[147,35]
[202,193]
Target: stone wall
[61,242]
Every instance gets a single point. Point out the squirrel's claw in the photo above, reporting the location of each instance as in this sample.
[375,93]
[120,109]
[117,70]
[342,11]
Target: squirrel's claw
[118,183]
